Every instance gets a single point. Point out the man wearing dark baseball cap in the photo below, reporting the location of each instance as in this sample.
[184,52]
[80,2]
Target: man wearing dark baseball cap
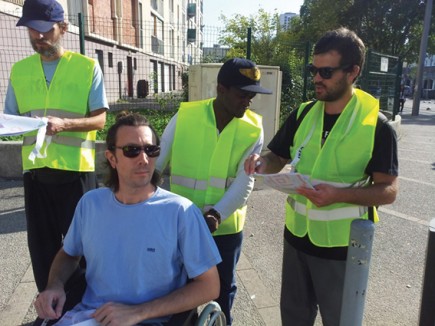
[75,105]
[206,143]
[242,74]
[41,15]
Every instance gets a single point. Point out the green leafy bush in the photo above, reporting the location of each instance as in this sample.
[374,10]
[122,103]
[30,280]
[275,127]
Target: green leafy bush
[158,119]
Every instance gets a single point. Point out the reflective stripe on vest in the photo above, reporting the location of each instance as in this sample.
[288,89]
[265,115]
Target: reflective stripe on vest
[56,113]
[341,213]
[63,140]
[201,184]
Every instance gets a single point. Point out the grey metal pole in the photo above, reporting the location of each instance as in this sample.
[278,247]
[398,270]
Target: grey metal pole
[82,33]
[357,272]
[249,43]
[423,47]
[427,311]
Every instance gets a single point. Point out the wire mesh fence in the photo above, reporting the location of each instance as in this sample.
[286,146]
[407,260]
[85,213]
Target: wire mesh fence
[381,77]
[145,64]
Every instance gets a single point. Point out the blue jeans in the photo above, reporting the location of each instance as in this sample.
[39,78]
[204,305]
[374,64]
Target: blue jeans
[230,247]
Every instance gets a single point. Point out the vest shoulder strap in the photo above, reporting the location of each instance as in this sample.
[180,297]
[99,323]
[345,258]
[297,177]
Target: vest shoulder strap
[304,112]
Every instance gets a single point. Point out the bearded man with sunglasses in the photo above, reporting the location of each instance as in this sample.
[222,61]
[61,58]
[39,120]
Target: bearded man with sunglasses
[206,143]
[142,243]
[349,152]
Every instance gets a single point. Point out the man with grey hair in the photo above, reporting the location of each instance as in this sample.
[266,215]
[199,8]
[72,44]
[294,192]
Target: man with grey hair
[68,89]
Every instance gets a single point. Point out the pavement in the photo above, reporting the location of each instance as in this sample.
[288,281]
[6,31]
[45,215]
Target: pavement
[397,262]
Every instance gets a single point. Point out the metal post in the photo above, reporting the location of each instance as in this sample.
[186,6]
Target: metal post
[427,311]
[397,87]
[82,34]
[306,59]
[248,44]
[357,272]
[423,47]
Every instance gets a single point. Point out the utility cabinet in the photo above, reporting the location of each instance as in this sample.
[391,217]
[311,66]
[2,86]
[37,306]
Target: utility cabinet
[203,82]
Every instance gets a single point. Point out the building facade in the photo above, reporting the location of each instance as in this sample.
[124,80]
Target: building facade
[143,46]
[285,19]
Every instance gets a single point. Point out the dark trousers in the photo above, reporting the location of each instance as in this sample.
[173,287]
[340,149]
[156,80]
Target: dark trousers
[230,247]
[310,283]
[50,199]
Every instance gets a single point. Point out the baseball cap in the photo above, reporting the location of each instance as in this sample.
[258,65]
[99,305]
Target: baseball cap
[242,74]
[41,15]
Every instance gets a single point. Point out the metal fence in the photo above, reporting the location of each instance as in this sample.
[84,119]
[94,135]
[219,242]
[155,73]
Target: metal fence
[381,77]
[146,66]
[138,71]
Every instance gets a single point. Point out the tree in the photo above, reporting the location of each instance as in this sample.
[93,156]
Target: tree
[386,26]
[263,32]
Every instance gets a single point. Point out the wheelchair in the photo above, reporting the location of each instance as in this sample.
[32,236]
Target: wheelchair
[211,315]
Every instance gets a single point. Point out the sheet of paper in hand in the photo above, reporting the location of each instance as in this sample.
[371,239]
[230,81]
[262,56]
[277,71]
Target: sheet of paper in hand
[285,182]
[78,318]
[12,125]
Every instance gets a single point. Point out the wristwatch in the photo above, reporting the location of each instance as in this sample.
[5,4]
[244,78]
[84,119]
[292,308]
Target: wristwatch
[216,214]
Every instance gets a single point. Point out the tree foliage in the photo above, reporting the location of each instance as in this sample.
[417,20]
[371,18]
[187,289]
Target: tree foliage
[387,26]
[263,33]
[391,27]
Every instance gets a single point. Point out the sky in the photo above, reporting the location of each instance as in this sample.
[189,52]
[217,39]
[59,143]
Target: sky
[214,8]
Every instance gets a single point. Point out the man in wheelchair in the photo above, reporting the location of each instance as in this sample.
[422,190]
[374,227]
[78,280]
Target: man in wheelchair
[141,243]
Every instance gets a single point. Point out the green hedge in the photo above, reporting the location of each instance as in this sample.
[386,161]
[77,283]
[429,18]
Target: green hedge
[158,119]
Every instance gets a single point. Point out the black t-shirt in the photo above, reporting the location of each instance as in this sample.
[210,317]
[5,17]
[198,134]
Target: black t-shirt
[384,160]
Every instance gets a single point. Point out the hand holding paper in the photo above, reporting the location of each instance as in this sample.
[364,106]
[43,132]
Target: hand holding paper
[11,125]
[285,182]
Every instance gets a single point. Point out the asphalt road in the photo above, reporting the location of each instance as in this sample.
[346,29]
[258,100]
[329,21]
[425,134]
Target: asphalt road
[397,264]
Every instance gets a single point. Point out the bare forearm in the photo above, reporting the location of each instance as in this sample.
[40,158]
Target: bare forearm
[266,164]
[62,268]
[273,163]
[186,298]
[383,191]
[95,121]
[373,195]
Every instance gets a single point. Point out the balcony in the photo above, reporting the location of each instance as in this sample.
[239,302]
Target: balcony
[191,35]
[191,10]
[17,2]
[157,46]
[157,5]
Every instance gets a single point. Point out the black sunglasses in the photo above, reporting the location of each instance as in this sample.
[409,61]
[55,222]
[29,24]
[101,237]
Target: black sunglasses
[325,72]
[132,151]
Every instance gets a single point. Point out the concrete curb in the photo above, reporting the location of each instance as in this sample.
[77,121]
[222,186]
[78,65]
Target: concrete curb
[11,152]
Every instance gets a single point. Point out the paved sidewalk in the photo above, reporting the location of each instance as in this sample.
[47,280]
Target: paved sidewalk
[399,250]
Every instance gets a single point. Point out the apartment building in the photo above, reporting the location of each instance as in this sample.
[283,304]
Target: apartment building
[143,46]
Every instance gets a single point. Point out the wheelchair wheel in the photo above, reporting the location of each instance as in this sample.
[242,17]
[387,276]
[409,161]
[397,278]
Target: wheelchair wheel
[211,315]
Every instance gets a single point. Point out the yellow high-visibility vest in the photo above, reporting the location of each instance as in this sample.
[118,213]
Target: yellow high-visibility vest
[203,163]
[341,162]
[67,97]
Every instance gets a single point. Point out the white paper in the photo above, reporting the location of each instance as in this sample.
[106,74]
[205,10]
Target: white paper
[12,125]
[285,182]
[78,318]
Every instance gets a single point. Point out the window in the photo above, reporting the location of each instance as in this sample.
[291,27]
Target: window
[100,56]
[110,59]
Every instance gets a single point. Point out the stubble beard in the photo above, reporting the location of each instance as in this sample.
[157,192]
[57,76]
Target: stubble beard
[50,51]
[334,94]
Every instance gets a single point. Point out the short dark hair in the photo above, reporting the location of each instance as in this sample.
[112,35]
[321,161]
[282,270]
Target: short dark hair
[132,119]
[346,43]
